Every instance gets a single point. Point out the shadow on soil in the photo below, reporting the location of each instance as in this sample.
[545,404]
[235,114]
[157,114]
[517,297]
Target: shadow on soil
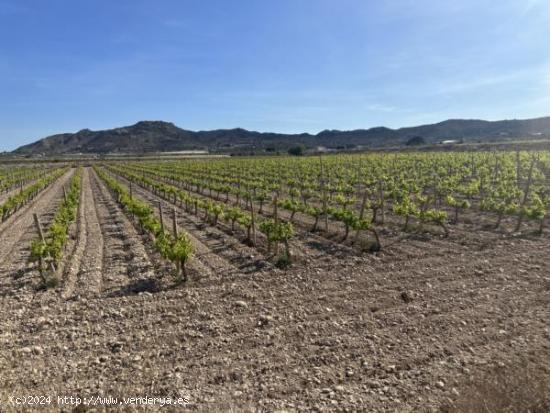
[140,286]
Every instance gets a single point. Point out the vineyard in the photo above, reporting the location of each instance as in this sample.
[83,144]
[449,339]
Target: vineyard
[313,283]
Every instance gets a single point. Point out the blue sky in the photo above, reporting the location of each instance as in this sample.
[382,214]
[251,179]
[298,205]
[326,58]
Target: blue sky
[284,65]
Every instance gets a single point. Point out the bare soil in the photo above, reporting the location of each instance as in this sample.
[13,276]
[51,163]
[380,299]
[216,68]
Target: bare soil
[404,330]
[17,233]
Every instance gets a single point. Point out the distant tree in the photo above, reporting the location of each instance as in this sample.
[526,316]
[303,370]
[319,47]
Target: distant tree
[297,150]
[416,141]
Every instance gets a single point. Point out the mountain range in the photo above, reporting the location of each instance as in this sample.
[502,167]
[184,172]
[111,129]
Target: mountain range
[159,136]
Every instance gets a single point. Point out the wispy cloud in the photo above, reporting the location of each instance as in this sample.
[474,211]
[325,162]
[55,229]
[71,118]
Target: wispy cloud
[380,107]
[529,5]
[466,85]
[536,76]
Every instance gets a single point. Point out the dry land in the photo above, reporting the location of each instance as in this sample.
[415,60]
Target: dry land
[402,330]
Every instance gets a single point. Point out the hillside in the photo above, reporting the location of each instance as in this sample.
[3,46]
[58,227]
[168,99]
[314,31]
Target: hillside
[158,136]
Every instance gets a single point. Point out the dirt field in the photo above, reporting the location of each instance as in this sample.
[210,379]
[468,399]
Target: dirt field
[399,331]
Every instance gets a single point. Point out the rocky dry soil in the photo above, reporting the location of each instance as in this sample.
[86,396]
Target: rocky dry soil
[399,331]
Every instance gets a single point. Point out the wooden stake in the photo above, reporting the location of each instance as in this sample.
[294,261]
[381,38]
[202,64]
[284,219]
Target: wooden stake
[41,235]
[325,211]
[253,222]
[175,230]
[361,213]
[161,217]
[518,169]
[175,223]
[38,227]
[363,203]
[275,214]
[525,194]
[276,223]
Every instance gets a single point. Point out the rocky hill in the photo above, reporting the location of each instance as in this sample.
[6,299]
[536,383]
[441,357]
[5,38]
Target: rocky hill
[158,136]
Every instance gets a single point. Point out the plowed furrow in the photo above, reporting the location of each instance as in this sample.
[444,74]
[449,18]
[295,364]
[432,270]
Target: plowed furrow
[208,258]
[84,272]
[305,245]
[126,264]
[18,233]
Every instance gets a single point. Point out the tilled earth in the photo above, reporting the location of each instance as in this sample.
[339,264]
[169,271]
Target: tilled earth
[400,331]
